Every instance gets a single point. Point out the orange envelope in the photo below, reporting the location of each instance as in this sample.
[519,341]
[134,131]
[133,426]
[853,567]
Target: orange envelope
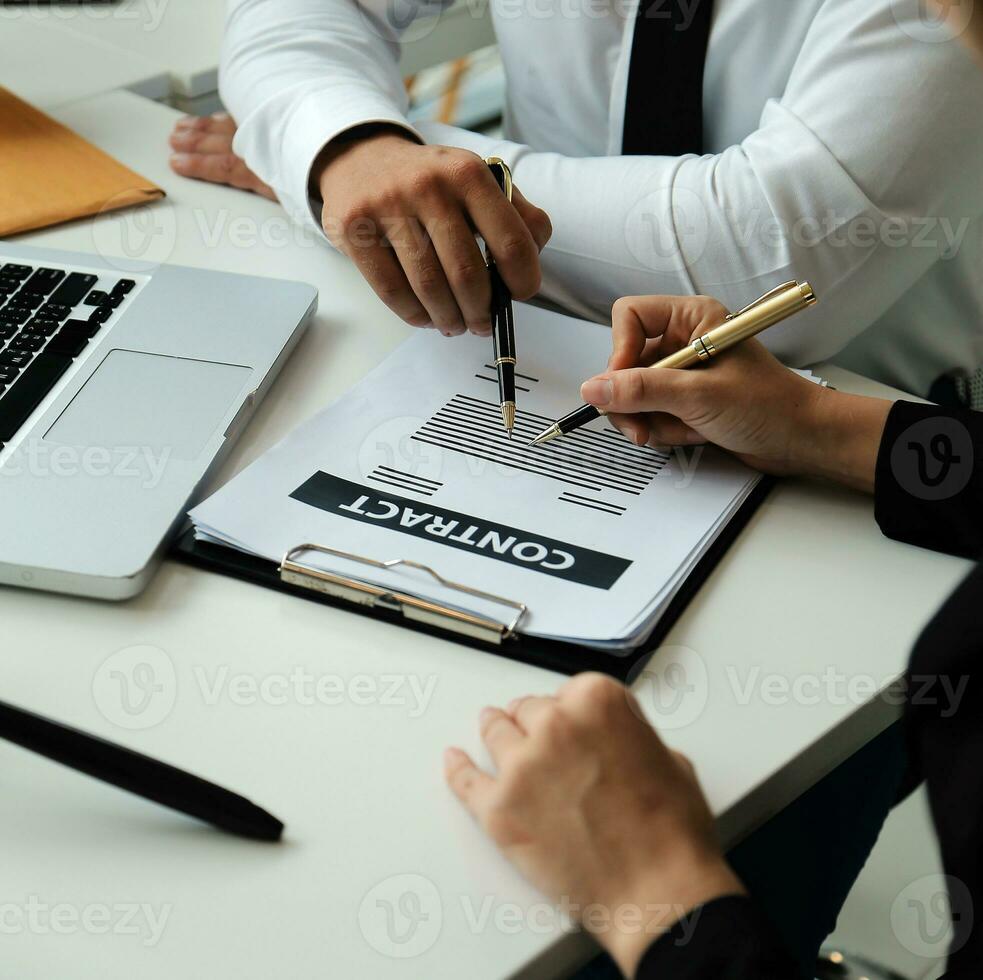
[48,174]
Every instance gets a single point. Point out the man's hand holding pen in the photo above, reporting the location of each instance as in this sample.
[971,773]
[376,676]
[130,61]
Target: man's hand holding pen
[407,216]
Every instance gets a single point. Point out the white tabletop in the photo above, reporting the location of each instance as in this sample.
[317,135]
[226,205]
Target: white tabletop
[810,593]
[49,66]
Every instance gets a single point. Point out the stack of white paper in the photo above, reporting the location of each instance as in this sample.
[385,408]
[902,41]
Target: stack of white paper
[594,534]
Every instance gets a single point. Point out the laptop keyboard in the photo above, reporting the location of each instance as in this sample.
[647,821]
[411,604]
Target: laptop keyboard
[47,318]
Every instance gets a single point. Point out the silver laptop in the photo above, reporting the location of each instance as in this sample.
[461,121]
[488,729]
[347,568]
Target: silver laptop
[119,394]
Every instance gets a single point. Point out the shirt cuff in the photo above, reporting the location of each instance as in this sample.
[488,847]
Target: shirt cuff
[320,117]
[929,478]
[726,939]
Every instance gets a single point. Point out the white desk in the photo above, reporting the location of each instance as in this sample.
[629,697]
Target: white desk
[811,586]
[169,49]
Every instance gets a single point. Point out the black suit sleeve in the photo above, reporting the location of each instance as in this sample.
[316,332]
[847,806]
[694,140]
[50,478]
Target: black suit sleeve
[727,939]
[929,480]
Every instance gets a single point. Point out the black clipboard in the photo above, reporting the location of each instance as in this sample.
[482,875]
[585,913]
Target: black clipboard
[563,657]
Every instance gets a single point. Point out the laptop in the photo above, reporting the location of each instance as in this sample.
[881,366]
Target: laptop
[120,392]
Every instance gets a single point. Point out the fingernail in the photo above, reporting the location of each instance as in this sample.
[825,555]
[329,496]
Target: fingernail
[451,755]
[597,392]
[180,159]
[220,115]
[486,715]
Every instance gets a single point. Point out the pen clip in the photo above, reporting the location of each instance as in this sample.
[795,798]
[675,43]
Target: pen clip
[764,299]
[506,181]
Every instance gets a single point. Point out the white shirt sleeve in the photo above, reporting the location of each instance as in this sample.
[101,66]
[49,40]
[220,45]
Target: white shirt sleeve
[297,73]
[831,188]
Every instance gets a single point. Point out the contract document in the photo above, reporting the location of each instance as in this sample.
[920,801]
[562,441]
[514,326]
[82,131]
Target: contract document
[593,534]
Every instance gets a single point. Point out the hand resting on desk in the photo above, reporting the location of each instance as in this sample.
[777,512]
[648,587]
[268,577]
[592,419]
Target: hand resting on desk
[596,812]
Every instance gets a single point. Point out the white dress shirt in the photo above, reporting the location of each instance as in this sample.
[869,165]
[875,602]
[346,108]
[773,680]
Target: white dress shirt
[844,146]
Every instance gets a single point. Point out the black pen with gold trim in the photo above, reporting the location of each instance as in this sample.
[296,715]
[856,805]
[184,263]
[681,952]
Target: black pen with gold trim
[503,324]
[774,307]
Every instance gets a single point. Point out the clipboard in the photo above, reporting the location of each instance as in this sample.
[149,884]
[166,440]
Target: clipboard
[296,577]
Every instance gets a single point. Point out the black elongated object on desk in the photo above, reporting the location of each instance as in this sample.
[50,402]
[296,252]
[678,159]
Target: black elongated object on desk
[138,774]
[563,657]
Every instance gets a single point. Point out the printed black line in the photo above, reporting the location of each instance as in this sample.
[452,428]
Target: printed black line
[526,469]
[603,510]
[587,500]
[455,433]
[410,476]
[494,381]
[576,455]
[607,436]
[402,486]
[570,448]
[528,377]
[650,462]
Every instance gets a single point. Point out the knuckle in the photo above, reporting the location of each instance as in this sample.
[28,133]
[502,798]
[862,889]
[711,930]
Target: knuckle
[469,272]
[466,168]
[423,183]
[630,388]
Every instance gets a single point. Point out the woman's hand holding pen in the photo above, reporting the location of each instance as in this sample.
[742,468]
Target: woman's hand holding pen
[407,216]
[745,401]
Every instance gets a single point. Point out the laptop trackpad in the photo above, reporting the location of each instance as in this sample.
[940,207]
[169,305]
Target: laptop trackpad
[150,402]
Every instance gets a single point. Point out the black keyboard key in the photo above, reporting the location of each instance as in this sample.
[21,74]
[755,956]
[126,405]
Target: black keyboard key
[7,374]
[27,341]
[55,311]
[96,298]
[14,271]
[74,289]
[43,281]
[100,314]
[14,359]
[28,391]
[124,287]
[72,338]
[14,317]
[42,325]
[24,301]
[8,285]
[6,333]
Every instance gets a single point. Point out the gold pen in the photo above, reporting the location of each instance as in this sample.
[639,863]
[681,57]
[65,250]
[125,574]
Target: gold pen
[775,306]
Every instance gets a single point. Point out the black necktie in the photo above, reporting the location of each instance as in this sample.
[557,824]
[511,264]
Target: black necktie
[664,105]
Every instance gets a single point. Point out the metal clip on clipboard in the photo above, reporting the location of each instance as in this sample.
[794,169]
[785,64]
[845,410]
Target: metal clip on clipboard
[296,573]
